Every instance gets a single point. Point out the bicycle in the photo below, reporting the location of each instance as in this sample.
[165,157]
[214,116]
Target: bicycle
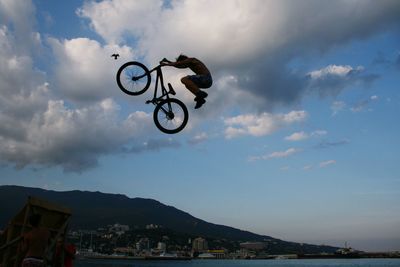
[170,114]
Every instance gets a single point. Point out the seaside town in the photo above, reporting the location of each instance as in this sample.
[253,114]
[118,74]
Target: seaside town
[155,242]
[146,242]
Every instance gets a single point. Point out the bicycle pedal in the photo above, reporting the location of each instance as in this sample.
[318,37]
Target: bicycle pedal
[149,101]
[171,90]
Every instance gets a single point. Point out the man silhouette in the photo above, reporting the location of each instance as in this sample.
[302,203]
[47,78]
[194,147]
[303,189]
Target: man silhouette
[201,79]
[34,243]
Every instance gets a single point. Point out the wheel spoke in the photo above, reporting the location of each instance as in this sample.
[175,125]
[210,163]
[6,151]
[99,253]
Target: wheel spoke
[126,74]
[172,121]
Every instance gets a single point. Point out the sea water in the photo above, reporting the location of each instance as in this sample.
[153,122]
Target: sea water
[243,263]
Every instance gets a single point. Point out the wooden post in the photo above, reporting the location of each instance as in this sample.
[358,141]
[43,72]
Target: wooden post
[19,256]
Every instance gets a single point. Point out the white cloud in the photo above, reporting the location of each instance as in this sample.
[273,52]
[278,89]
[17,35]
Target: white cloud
[363,104]
[251,40]
[73,138]
[334,70]
[332,79]
[307,167]
[319,133]
[38,128]
[262,124]
[199,138]
[52,121]
[21,15]
[298,136]
[283,154]
[327,163]
[276,155]
[329,144]
[113,19]
[85,71]
[337,106]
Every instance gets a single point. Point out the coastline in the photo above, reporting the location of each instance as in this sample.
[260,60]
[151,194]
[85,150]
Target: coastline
[270,257]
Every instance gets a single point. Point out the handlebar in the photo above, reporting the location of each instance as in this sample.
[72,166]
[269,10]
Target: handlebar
[165,60]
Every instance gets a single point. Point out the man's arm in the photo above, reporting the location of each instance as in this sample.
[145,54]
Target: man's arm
[179,64]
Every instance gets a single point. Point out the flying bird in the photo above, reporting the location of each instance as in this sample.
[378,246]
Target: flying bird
[115,56]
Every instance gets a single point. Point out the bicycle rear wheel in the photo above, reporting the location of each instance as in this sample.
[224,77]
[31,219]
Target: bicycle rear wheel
[133,78]
[170,116]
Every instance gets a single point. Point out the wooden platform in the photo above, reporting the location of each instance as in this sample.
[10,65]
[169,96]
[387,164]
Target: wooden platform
[54,217]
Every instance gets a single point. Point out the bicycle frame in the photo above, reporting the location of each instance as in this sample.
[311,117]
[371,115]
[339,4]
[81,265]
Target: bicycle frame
[164,92]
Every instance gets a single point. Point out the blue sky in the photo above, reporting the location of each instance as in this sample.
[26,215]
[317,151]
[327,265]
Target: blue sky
[298,139]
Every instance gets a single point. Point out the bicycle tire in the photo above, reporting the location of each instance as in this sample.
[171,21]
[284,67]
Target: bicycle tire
[177,122]
[127,72]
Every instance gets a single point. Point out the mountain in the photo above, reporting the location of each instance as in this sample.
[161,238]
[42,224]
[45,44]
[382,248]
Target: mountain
[91,210]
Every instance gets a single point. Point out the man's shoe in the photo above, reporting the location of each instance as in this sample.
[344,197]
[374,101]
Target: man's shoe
[200,94]
[199,102]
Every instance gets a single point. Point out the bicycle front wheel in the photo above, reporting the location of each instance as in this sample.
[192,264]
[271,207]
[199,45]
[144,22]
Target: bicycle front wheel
[133,78]
[170,116]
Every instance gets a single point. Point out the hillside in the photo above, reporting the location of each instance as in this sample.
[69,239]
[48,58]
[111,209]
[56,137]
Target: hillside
[94,209]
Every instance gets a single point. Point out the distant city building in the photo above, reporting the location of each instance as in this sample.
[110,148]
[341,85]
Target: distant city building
[143,244]
[253,245]
[242,254]
[153,226]
[162,246]
[218,253]
[101,230]
[199,244]
[119,229]
[124,251]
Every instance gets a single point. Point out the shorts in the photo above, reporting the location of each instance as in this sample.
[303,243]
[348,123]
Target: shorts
[32,262]
[202,81]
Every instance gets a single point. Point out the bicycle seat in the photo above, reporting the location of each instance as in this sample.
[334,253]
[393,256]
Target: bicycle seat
[171,90]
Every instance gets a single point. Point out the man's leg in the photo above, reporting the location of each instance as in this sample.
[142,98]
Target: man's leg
[190,85]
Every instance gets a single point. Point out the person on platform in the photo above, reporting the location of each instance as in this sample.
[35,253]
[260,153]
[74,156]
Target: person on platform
[34,243]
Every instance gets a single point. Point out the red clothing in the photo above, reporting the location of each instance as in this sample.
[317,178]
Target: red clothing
[69,256]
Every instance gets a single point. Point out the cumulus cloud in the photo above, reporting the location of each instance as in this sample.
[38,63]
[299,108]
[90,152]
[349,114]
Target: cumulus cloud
[152,144]
[199,138]
[327,163]
[254,41]
[38,128]
[332,79]
[329,144]
[276,154]
[72,138]
[337,106]
[114,19]
[260,125]
[20,15]
[363,104]
[247,44]
[283,154]
[299,136]
[319,133]
[307,167]
[84,70]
